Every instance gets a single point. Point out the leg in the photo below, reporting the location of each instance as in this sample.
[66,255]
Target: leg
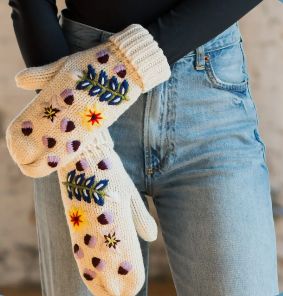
[211,182]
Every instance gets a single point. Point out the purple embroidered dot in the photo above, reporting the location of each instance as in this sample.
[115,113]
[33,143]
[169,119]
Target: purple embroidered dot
[53,161]
[120,70]
[105,218]
[89,240]
[102,56]
[73,146]
[124,268]
[67,96]
[89,275]
[98,263]
[27,127]
[67,125]
[48,141]
[82,165]
[78,252]
[104,164]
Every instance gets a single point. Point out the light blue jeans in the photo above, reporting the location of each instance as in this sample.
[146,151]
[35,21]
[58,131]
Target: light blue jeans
[193,145]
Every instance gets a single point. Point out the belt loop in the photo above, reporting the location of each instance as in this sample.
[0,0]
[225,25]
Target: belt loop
[200,58]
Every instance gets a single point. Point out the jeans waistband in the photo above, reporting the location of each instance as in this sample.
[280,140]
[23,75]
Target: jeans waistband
[87,36]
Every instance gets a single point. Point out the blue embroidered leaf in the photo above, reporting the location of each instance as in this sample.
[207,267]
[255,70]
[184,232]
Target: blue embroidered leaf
[95,90]
[83,84]
[103,78]
[98,198]
[79,179]
[90,72]
[70,192]
[85,189]
[101,185]
[89,181]
[70,176]
[124,87]
[117,100]
[105,96]
[86,195]
[77,193]
[113,83]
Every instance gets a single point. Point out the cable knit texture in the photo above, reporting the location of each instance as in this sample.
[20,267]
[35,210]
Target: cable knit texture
[104,213]
[81,94]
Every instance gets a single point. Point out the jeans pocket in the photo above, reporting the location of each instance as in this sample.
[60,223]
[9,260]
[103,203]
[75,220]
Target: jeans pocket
[226,68]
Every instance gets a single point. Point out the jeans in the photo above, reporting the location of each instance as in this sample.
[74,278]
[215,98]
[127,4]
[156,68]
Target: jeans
[192,144]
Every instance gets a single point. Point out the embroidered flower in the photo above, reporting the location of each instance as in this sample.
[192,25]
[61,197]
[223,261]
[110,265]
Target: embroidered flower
[111,240]
[91,117]
[76,217]
[50,112]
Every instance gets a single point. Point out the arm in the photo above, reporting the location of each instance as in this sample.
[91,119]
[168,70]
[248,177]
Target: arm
[38,32]
[193,22]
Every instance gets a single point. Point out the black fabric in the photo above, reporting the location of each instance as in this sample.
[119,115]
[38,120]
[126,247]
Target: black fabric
[179,26]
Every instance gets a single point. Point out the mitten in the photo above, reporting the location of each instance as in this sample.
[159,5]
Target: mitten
[104,213]
[81,94]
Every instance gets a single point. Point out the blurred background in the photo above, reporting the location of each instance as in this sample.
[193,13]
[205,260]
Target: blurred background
[262,31]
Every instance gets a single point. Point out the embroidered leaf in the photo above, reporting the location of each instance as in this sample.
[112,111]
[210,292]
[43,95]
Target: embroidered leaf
[83,84]
[124,87]
[95,90]
[101,185]
[110,90]
[103,78]
[113,83]
[105,96]
[98,198]
[90,72]
[85,189]
[117,100]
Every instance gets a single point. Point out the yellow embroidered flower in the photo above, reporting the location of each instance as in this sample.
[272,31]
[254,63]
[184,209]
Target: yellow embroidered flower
[91,117]
[77,218]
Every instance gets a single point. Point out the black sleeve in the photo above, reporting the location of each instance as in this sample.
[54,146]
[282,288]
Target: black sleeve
[194,22]
[38,31]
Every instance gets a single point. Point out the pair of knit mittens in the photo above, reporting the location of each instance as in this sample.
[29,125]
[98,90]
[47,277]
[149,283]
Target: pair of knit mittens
[64,129]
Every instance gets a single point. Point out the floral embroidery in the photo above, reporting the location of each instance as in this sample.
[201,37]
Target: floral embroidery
[27,127]
[82,165]
[53,160]
[79,254]
[73,146]
[67,96]
[76,217]
[104,164]
[90,240]
[67,125]
[125,267]
[105,218]
[98,263]
[50,112]
[108,90]
[48,141]
[102,56]
[88,274]
[120,70]
[80,187]
[111,240]
[91,117]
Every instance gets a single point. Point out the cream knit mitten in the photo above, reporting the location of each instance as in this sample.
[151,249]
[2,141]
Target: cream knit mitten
[104,213]
[81,94]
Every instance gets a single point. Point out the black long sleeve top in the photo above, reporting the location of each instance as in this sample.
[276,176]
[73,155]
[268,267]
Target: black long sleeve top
[179,26]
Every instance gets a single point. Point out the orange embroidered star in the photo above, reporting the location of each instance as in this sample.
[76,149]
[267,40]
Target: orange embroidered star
[91,117]
[76,218]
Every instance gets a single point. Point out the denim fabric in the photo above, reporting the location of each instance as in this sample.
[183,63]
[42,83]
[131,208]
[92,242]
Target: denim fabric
[193,145]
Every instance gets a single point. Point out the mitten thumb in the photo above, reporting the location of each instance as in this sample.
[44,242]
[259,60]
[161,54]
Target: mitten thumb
[37,77]
[145,224]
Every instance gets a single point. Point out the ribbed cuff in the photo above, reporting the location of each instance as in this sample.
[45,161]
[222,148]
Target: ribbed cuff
[144,54]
